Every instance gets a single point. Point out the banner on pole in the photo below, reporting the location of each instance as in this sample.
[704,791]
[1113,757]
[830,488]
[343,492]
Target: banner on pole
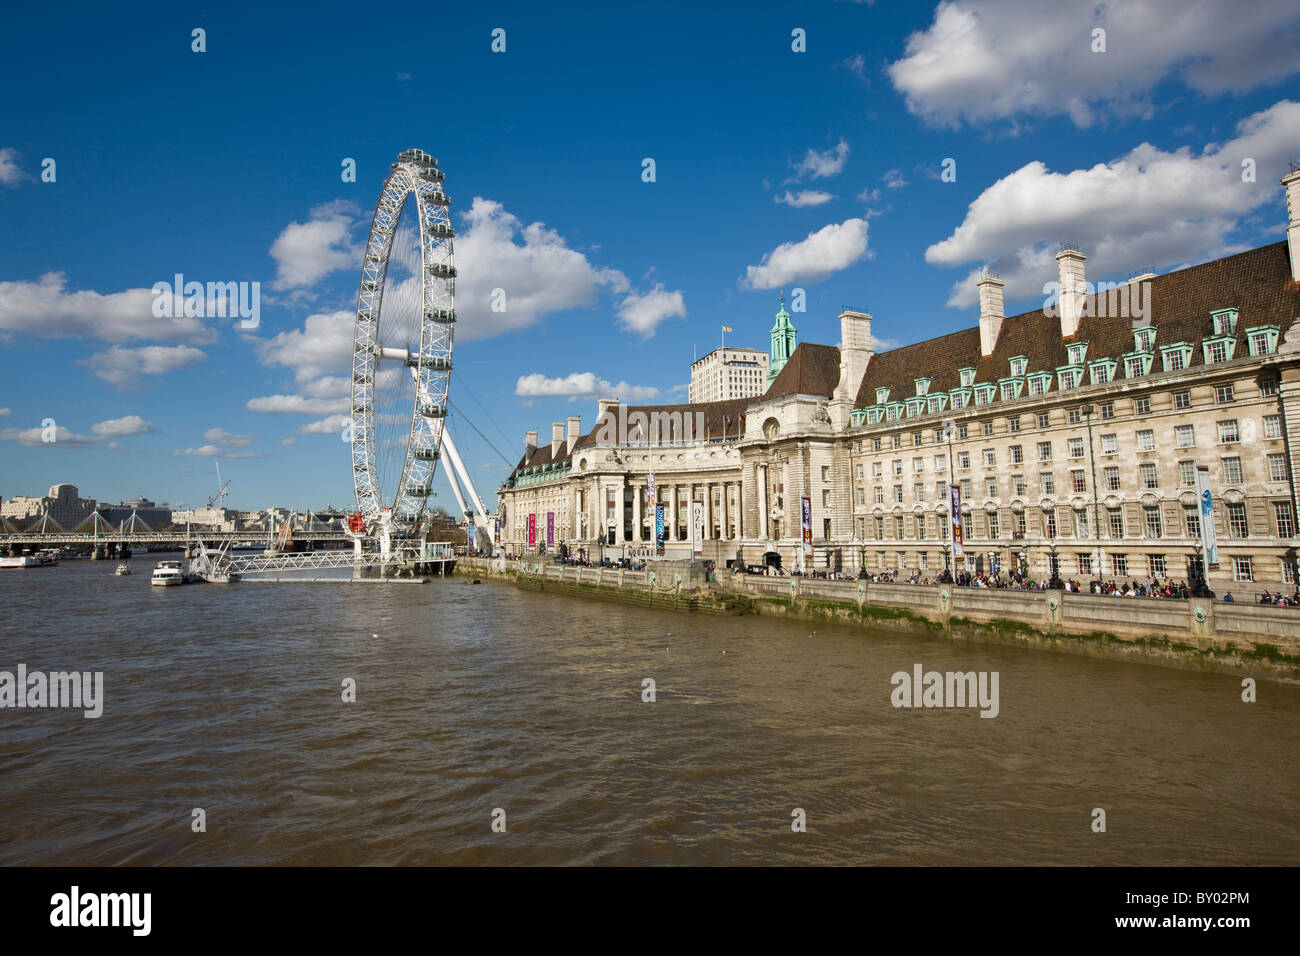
[1209,541]
[550,530]
[532,532]
[697,527]
[659,530]
[805,522]
[954,522]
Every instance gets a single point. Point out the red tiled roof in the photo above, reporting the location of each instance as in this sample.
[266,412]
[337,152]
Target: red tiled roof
[1257,283]
[811,370]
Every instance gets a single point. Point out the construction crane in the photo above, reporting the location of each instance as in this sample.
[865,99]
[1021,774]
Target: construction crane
[220,500]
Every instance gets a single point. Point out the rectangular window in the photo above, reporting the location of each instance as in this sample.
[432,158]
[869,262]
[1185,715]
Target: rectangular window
[826,498]
[988,428]
[1285,517]
[875,444]
[963,459]
[1048,482]
[1269,387]
[916,439]
[1288,571]
[1222,393]
[1044,451]
[965,489]
[1116,517]
[1182,400]
[1044,419]
[991,487]
[962,431]
[1081,522]
[902,557]
[1013,424]
[1019,518]
[1074,416]
[1017,484]
[941,490]
[994,530]
[1119,564]
[880,529]
[1078,483]
[1242,569]
[1017,454]
[920,527]
[1152,517]
[918,465]
[1049,519]
[1107,410]
[1228,431]
[1146,440]
[1085,564]
[897,441]
[1217,352]
[1148,474]
[898,494]
[1142,406]
[990,458]
[1173,360]
[941,463]
[877,468]
[880,495]
[1109,445]
[1232,471]
[1185,436]
[1192,515]
[898,527]
[1186,474]
[898,466]
[918,491]
[1111,475]
[1156,562]
[1076,447]
[1277,467]
[1272,426]
[942,520]
[1237,527]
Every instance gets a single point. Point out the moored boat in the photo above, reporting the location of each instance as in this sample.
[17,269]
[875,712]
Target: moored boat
[168,573]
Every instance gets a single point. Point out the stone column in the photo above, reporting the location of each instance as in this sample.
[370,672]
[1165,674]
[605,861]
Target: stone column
[760,476]
[638,492]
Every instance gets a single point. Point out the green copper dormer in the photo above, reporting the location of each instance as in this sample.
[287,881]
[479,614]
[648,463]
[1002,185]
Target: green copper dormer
[784,339]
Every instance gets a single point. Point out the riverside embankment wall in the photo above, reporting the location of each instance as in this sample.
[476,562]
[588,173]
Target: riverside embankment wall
[1196,633]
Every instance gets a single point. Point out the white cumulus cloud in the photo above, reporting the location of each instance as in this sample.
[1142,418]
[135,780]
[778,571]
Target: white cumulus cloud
[805,197]
[11,174]
[826,251]
[822,164]
[582,385]
[48,309]
[996,60]
[122,366]
[306,252]
[122,427]
[641,313]
[1146,208]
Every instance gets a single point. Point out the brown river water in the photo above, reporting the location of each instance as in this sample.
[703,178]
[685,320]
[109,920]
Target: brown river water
[477,697]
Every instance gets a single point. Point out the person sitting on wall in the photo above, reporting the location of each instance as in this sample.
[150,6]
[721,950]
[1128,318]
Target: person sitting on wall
[1227,597]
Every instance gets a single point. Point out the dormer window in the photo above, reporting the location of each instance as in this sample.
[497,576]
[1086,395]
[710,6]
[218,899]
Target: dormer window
[1077,352]
[1135,366]
[1262,339]
[983,394]
[1218,349]
[967,377]
[1018,366]
[882,396]
[922,386]
[1225,321]
[1102,371]
[1144,339]
[1069,377]
[1039,383]
[1010,388]
[960,397]
[936,403]
[1176,356]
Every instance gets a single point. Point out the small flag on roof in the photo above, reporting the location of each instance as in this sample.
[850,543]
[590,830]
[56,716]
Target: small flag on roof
[726,328]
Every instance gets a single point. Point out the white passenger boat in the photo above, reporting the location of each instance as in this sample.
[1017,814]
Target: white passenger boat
[122,569]
[168,573]
[42,559]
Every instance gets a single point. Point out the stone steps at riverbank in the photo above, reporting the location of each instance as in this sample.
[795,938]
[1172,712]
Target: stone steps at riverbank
[1195,634]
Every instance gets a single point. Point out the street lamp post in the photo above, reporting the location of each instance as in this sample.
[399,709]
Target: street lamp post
[1087,411]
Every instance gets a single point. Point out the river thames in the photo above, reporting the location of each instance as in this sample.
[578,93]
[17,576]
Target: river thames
[471,698]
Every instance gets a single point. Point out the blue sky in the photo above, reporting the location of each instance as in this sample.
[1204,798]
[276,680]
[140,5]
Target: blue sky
[774,169]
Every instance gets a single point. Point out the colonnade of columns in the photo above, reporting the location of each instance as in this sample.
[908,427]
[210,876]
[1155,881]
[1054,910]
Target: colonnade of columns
[722,517]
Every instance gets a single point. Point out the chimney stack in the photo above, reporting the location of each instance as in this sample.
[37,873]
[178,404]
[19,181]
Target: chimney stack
[1292,183]
[1069,306]
[992,312]
[557,439]
[855,354]
[575,429]
[530,444]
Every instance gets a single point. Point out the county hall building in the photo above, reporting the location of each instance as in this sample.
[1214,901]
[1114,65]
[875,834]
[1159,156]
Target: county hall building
[1074,434]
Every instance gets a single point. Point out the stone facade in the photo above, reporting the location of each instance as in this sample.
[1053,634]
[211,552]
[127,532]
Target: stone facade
[1074,434]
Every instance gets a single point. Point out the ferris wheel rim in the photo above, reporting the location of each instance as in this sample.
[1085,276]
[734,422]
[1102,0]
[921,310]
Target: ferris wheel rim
[415,183]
